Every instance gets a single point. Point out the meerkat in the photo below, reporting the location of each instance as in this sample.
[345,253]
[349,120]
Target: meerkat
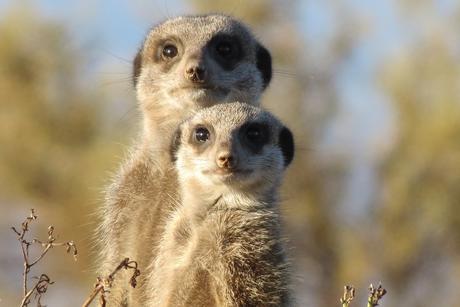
[185,64]
[223,246]
[192,62]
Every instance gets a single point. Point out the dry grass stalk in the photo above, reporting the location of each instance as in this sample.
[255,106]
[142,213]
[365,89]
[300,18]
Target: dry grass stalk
[41,285]
[103,285]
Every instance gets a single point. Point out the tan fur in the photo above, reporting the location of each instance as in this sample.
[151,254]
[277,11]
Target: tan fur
[166,98]
[222,246]
[144,191]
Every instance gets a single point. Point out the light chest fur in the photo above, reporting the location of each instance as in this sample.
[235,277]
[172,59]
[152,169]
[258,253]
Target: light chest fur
[223,244]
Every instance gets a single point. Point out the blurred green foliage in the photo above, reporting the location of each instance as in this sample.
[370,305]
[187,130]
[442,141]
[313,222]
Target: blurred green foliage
[420,201]
[55,151]
[49,124]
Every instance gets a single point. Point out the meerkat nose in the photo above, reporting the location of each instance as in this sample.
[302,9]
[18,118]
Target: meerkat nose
[226,160]
[195,73]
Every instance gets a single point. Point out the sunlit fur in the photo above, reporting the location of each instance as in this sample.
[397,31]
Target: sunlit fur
[222,246]
[167,97]
[144,190]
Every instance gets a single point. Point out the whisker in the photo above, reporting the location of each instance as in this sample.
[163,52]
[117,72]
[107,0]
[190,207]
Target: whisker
[125,61]
[285,72]
[112,82]
[130,110]
[112,73]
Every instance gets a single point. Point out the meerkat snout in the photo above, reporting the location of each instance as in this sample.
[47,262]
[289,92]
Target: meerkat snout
[225,159]
[195,72]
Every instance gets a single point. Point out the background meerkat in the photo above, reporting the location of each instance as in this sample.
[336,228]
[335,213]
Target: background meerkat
[222,246]
[192,62]
[185,64]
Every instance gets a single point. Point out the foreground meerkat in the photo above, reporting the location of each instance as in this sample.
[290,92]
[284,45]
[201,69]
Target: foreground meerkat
[222,246]
[185,64]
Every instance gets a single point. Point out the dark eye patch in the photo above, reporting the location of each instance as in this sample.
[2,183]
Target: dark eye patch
[255,135]
[226,50]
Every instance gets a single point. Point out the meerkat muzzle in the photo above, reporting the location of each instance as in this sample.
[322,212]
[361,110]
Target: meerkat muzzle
[226,160]
[196,73]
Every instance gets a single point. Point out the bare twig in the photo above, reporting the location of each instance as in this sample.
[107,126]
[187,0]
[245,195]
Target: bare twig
[103,285]
[41,286]
[375,294]
[348,296]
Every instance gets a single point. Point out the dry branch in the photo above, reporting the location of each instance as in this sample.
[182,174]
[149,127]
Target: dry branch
[41,285]
[103,285]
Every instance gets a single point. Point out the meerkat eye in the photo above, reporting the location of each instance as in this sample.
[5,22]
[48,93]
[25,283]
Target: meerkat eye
[257,135]
[224,49]
[169,51]
[227,50]
[201,135]
[254,134]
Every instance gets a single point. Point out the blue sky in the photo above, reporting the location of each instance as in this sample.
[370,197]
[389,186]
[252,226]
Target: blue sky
[119,27]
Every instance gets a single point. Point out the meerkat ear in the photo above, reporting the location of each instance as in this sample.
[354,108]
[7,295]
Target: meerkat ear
[137,64]
[286,142]
[264,64]
[175,143]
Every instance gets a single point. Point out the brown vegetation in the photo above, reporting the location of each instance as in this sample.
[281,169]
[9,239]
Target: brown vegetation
[103,284]
[41,284]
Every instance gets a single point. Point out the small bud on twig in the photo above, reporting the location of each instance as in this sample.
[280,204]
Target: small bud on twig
[348,296]
[375,294]
[103,285]
[41,286]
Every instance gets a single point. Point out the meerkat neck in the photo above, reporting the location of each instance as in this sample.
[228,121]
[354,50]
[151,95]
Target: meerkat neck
[244,200]
[159,127]
[198,202]
[154,143]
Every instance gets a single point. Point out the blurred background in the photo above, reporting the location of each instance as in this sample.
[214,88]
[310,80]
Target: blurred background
[370,88]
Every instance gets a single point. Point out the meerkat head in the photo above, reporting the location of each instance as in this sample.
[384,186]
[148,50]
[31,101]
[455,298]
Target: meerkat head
[234,145]
[198,61]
